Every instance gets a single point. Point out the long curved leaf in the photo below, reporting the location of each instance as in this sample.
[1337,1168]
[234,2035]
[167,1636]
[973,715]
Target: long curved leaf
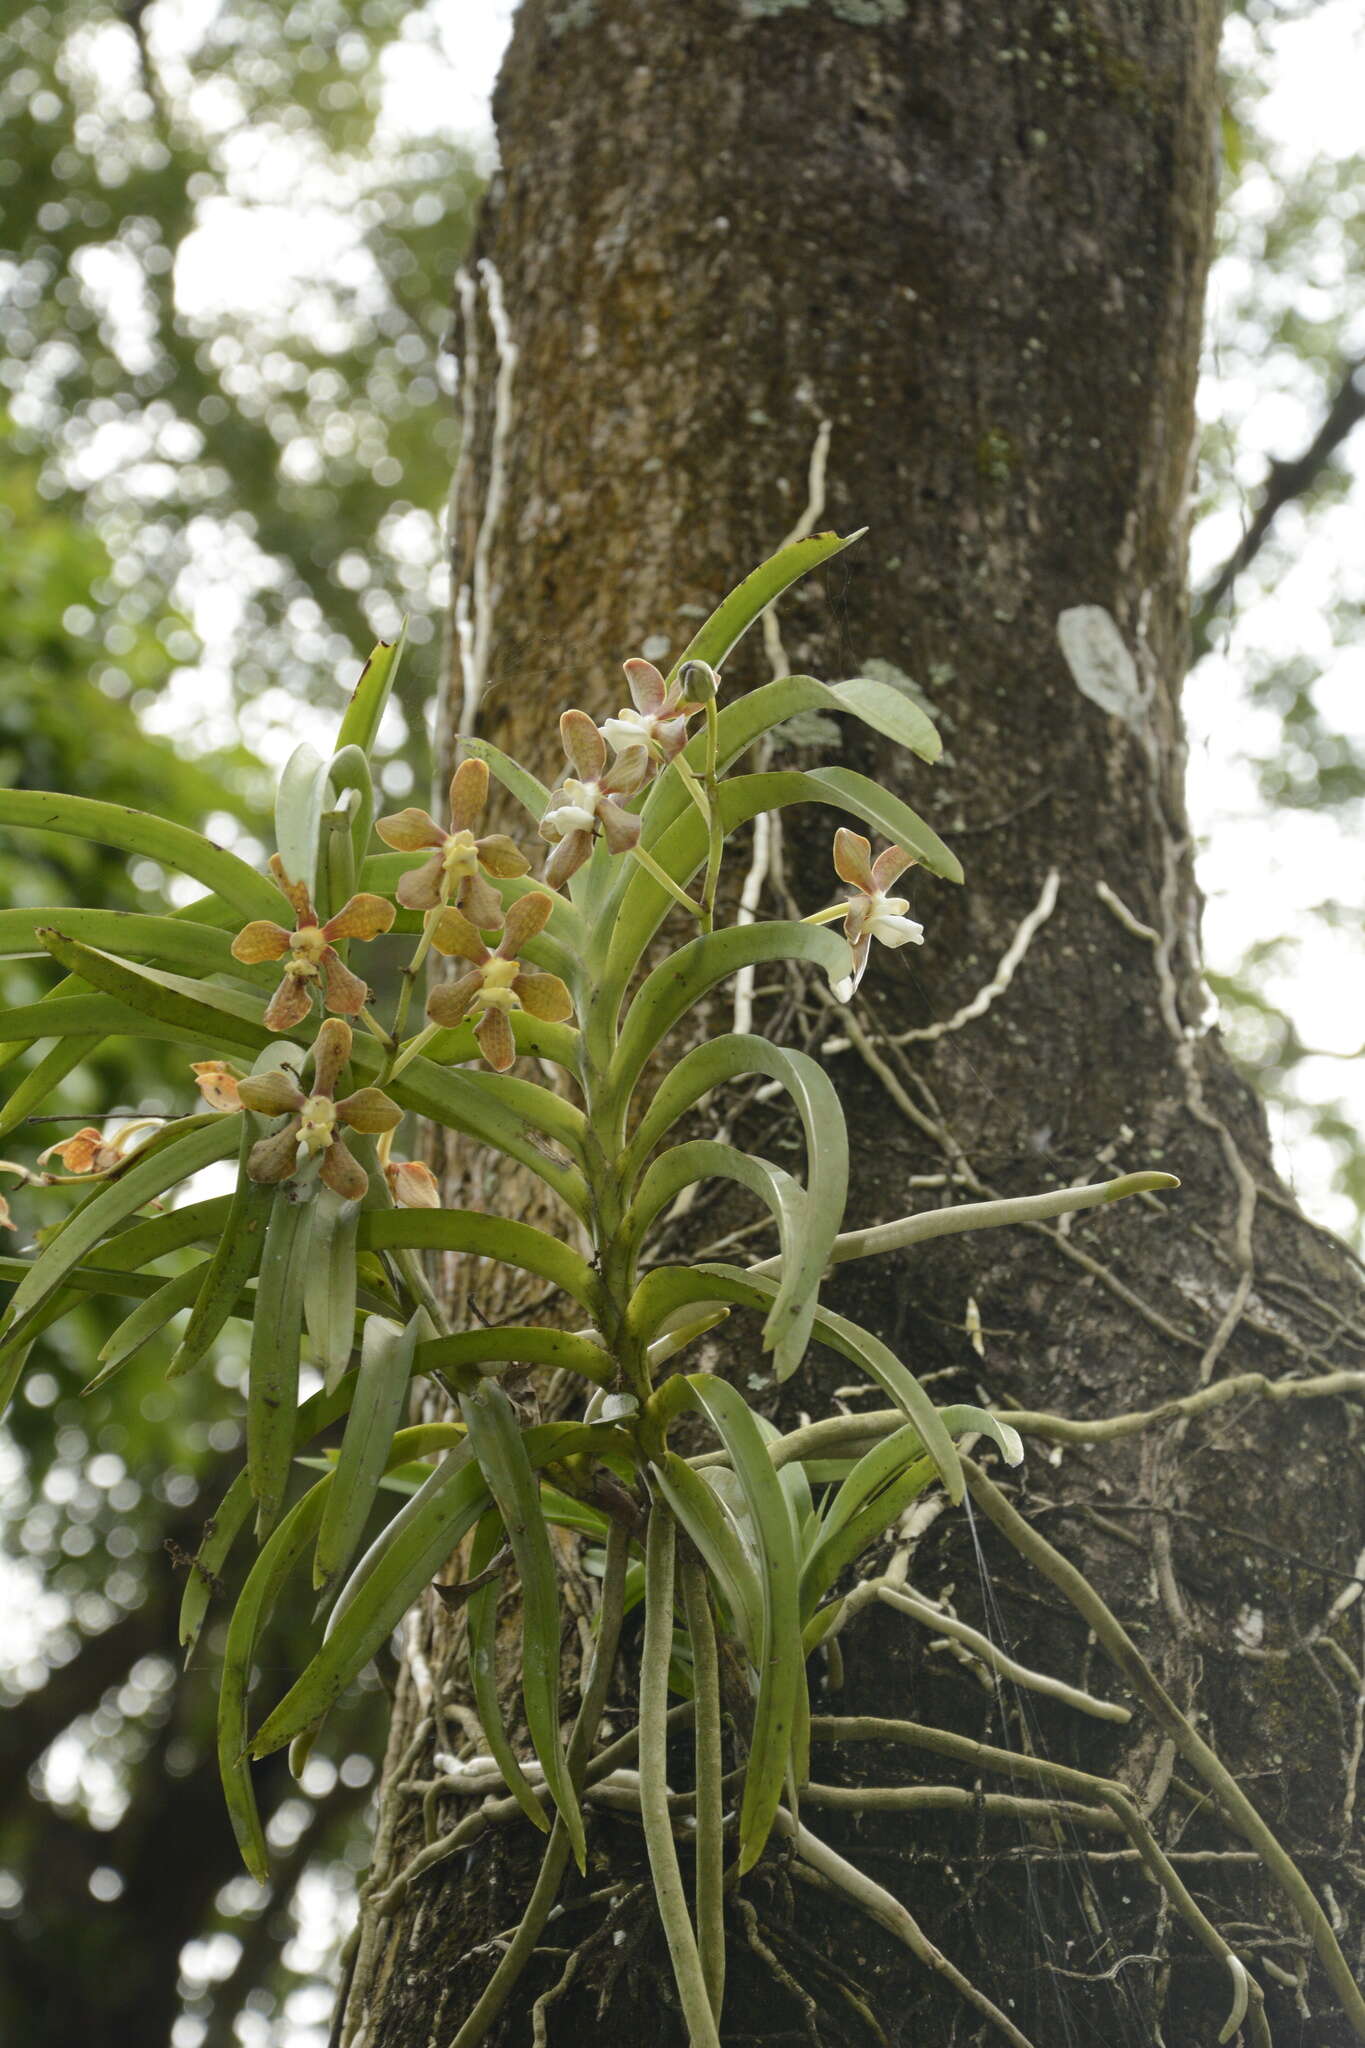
[235,1257]
[146,1321]
[44,1077]
[805,1234]
[301,797]
[679,982]
[471,1349]
[198,1009]
[273,1368]
[499,1448]
[486,1237]
[481,1619]
[329,1288]
[360,721]
[381,1389]
[174,846]
[746,604]
[698,1510]
[197,948]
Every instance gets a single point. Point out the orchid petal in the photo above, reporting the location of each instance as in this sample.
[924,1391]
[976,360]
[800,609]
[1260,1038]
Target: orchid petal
[527,916]
[629,771]
[410,831]
[289,1005]
[494,1034]
[343,992]
[544,996]
[343,1173]
[449,1004]
[273,1094]
[499,855]
[620,828]
[260,941]
[890,865]
[217,1083]
[273,1158]
[646,685]
[331,1051]
[468,795]
[77,1153]
[369,1109]
[480,903]
[364,917]
[853,860]
[413,1185]
[583,744]
[295,893]
[420,888]
[454,935]
[567,858]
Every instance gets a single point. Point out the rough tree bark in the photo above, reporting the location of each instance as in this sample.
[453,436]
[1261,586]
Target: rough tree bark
[938,271]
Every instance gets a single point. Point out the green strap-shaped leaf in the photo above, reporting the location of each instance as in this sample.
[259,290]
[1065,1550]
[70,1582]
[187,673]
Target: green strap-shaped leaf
[781,1666]
[713,642]
[805,1235]
[197,1009]
[697,1508]
[160,1166]
[230,1516]
[146,1321]
[235,1256]
[36,810]
[529,1100]
[500,1450]
[381,1390]
[197,948]
[724,1059]
[329,1288]
[250,1613]
[465,1103]
[679,982]
[403,1559]
[471,1350]
[81,1016]
[360,722]
[485,1237]
[43,1079]
[517,781]
[301,796]
[481,1616]
[273,1369]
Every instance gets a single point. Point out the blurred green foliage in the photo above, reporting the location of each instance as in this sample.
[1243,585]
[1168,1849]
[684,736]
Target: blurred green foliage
[204,504]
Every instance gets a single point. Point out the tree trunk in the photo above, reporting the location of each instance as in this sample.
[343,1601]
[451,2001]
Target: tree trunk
[760,265]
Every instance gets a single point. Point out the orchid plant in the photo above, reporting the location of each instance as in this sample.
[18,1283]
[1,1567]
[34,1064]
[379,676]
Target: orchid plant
[588,973]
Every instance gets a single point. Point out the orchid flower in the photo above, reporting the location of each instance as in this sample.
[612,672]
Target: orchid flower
[217,1083]
[870,913]
[659,721]
[412,1185]
[497,982]
[312,958]
[312,1132]
[458,869]
[89,1151]
[588,799]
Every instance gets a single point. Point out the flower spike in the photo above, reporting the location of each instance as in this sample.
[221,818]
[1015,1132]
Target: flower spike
[311,1132]
[313,959]
[458,869]
[497,982]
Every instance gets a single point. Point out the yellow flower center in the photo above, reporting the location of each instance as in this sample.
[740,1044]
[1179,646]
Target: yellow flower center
[308,947]
[497,992]
[460,858]
[317,1124]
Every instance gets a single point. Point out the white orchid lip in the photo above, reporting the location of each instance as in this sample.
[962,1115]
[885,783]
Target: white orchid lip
[885,919]
[578,812]
[630,729]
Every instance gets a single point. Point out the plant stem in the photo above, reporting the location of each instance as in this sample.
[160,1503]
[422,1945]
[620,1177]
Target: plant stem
[666,881]
[715,834]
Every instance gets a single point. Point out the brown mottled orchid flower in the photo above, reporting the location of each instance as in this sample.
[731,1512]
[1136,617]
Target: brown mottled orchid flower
[460,864]
[659,720]
[312,1130]
[589,799]
[870,913]
[89,1151]
[217,1083]
[497,982]
[311,947]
